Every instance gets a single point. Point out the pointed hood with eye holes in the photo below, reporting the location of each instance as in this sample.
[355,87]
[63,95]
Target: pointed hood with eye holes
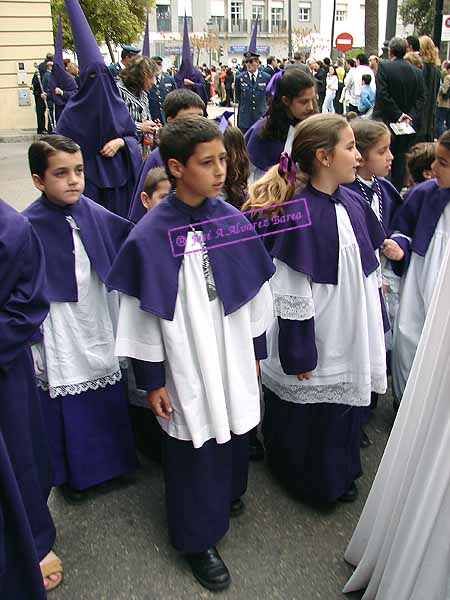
[60,77]
[187,69]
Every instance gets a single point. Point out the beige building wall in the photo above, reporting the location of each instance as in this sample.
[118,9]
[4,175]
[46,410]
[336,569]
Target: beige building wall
[26,35]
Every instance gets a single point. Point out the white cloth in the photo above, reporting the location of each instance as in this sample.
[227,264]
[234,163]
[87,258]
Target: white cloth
[348,330]
[256,173]
[401,544]
[209,358]
[332,83]
[416,291]
[77,351]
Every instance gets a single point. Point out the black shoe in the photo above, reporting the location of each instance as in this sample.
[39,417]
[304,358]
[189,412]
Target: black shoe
[256,449]
[237,507]
[73,496]
[209,569]
[351,495]
[364,441]
[395,405]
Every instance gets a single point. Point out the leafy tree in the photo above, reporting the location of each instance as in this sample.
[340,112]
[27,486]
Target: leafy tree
[111,21]
[419,13]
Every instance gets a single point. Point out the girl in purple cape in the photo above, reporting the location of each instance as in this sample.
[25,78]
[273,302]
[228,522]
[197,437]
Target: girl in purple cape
[422,229]
[291,100]
[326,350]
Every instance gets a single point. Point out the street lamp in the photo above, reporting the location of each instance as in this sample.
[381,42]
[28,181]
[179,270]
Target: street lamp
[332,29]
[437,29]
[391,26]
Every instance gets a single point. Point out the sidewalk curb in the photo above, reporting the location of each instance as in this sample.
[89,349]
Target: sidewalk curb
[19,135]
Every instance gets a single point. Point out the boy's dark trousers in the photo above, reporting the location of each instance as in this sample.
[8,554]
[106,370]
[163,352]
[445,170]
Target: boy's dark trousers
[201,484]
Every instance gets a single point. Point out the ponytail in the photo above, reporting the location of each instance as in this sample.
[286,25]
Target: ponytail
[273,189]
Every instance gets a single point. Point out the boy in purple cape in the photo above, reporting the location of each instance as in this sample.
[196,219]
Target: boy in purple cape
[177,104]
[97,119]
[81,384]
[27,534]
[193,316]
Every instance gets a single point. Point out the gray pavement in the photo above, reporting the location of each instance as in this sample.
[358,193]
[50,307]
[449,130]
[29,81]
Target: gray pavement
[115,547]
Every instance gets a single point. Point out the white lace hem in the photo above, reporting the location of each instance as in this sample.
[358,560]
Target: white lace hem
[79,388]
[293,308]
[351,394]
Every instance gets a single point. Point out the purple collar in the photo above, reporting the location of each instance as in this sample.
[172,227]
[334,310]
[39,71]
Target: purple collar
[147,268]
[137,210]
[262,152]
[314,250]
[390,199]
[101,232]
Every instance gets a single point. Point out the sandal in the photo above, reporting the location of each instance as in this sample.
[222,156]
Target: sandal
[51,565]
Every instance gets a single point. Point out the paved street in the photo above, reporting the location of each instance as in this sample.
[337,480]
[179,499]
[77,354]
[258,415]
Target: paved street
[115,546]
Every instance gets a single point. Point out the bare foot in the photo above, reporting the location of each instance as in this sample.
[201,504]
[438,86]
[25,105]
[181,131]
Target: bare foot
[52,571]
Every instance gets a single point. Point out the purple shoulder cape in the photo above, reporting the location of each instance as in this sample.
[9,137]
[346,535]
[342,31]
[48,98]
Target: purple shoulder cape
[263,153]
[101,231]
[419,215]
[147,268]
[23,301]
[391,199]
[314,250]
[137,211]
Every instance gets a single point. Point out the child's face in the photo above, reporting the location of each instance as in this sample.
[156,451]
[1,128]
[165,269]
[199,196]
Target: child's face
[441,166]
[204,173]
[302,106]
[345,158]
[379,158]
[161,191]
[63,181]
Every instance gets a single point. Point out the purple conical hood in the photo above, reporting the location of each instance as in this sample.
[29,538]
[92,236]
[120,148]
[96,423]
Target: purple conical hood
[86,47]
[252,44]
[186,58]
[146,44]
[58,58]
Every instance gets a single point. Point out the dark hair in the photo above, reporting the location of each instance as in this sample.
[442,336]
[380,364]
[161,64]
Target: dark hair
[180,100]
[367,78]
[134,74]
[327,61]
[48,145]
[292,83]
[419,159]
[154,177]
[298,56]
[351,62]
[179,138]
[398,47]
[445,140]
[414,42]
[270,59]
[238,166]
[367,134]
[362,58]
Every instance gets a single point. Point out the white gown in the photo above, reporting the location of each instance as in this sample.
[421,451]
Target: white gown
[209,358]
[416,292]
[401,545]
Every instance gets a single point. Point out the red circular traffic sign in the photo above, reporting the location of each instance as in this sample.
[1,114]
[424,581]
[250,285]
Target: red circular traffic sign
[344,42]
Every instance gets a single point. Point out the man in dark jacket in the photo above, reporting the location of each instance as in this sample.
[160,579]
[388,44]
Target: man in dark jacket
[400,98]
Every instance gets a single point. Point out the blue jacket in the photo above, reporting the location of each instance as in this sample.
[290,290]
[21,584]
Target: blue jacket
[251,99]
[367,99]
[157,95]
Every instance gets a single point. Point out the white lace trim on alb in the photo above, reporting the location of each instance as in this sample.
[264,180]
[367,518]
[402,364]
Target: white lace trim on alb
[79,388]
[293,308]
[351,394]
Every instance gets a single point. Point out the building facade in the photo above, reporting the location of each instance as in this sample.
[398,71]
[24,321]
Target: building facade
[26,36]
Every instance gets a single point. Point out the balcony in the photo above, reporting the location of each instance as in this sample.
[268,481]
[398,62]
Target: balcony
[279,27]
[163,25]
[238,26]
[263,26]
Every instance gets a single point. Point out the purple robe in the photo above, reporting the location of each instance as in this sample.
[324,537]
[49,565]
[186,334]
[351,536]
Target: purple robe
[417,219]
[240,269]
[137,210]
[102,234]
[262,152]
[23,308]
[391,200]
[95,115]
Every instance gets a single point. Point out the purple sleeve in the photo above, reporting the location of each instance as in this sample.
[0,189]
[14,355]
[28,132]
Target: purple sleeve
[149,375]
[400,266]
[260,347]
[297,346]
[27,305]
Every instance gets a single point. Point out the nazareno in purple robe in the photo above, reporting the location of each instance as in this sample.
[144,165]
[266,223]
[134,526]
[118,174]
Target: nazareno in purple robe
[90,433]
[25,475]
[95,115]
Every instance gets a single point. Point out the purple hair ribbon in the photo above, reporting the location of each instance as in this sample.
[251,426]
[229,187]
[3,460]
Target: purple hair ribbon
[287,167]
[272,86]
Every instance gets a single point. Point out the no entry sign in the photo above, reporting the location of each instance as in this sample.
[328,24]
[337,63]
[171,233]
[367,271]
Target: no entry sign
[445,35]
[344,42]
